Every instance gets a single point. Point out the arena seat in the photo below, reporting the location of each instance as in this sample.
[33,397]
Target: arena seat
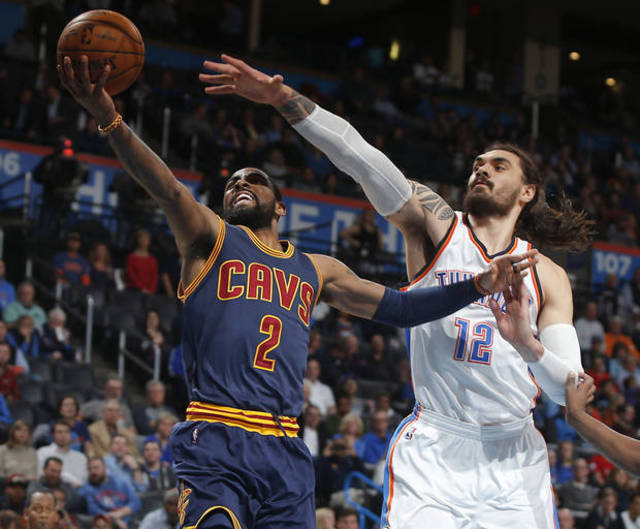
[31,391]
[21,410]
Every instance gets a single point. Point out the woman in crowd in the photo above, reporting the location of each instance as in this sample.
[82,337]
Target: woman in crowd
[17,456]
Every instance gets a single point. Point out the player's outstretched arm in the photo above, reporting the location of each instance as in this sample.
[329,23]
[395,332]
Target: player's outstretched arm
[622,450]
[555,352]
[189,220]
[344,290]
[415,209]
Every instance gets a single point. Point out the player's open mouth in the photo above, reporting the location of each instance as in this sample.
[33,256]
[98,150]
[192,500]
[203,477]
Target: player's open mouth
[243,197]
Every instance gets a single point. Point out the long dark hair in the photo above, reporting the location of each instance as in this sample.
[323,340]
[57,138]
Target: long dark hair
[560,227]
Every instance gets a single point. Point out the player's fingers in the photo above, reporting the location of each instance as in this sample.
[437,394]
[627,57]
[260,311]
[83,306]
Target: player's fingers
[219,67]
[68,69]
[237,63]
[216,79]
[63,77]
[508,296]
[276,80]
[571,381]
[220,90]
[103,78]
[83,75]
[495,308]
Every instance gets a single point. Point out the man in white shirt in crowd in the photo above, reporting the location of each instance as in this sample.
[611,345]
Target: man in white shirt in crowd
[74,463]
[631,517]
[588,326]
[320,395]
[166,517]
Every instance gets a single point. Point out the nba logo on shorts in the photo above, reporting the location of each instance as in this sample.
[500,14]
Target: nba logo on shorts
[194,436]
[409,435]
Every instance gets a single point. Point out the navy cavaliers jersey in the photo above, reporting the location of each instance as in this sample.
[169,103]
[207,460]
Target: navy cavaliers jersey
[246,324]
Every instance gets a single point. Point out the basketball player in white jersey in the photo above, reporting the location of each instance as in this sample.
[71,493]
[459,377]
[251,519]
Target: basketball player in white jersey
[469,455]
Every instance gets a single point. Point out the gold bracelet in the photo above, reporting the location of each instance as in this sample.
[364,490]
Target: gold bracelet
[479,287]
[105,131]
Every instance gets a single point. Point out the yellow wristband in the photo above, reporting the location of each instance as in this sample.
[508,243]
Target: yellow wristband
[479,287]
[111,126]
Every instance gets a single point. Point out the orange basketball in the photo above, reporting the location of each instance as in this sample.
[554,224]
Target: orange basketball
[105,37]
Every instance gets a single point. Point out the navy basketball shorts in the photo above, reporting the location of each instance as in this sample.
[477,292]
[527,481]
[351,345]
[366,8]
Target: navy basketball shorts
[235,478]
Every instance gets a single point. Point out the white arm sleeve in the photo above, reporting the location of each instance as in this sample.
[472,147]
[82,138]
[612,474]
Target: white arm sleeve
[383,183]
[561,356]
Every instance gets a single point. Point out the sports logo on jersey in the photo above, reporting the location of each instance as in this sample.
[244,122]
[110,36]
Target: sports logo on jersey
[195,435]
[409,433]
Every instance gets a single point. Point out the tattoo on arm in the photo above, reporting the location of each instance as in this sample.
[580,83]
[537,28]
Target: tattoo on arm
[432,202]
[296,108]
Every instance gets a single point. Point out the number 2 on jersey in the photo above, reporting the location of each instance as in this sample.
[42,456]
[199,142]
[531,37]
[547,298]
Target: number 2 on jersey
[272,327]
[479,346]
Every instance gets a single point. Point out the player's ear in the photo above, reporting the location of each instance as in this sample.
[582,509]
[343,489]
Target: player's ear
[281,209]
[528,193]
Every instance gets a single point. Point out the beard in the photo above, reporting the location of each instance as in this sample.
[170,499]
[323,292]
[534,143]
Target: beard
[482,205]
[253,217]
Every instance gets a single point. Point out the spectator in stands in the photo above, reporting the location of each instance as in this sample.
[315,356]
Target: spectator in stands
[313,432]
[565,519]
[631,517]
[609,299]
[156,474]
[142,266]
[325,518]
[91,411]
[166,517]
[102,431]
[321,395]
[604,513]
[52,479]
[615,335]
[403,398]
[10,520]
[362,241]
[336,462]
[63,520]
[25,305]
[20,47]
[154,337]
[577,494]
[17,456]
[376,367]
[146,415]
[7,290]
[383,404]
[121,463]
[55,342]
[630,292]
[347,519]
[351,429]
[623,486]
[343,408]
[588,326]
[15,493]
[69,266]
[8,376]
[59,113]
[628,368]
[25,338]
[69,411]
[375,443]
[74,463]
[564,463]
[164,423]
[599,370]
[100,269]
[107,494]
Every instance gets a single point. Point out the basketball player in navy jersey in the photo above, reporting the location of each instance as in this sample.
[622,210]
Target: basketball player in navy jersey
[248,299]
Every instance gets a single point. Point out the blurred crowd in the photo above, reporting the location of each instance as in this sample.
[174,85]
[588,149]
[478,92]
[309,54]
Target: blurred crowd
[106,458]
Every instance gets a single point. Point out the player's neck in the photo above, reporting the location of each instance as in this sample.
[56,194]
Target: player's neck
[269,237]
[495,233]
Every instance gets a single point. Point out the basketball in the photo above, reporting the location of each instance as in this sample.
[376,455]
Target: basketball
[106,38]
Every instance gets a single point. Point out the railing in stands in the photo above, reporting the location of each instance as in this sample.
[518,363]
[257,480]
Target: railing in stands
[363,512]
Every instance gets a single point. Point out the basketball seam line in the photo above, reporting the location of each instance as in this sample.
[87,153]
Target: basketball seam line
[90,50]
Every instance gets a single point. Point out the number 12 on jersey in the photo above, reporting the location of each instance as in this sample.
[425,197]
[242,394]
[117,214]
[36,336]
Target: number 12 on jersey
[474,344]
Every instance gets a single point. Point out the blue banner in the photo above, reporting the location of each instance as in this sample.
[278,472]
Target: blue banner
[312,220]
[609,259]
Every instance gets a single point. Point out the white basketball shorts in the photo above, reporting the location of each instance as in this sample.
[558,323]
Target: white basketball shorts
[446,474]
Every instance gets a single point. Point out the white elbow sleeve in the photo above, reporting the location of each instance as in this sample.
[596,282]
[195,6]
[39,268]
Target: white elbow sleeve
[561,356]
[383,183]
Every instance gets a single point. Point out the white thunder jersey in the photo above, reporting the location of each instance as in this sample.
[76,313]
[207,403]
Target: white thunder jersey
[461,366]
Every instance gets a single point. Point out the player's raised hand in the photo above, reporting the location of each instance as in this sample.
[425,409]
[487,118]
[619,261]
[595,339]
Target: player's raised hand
[577,396]
[515,323]
[234,76]
[505,269]
[92,96]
